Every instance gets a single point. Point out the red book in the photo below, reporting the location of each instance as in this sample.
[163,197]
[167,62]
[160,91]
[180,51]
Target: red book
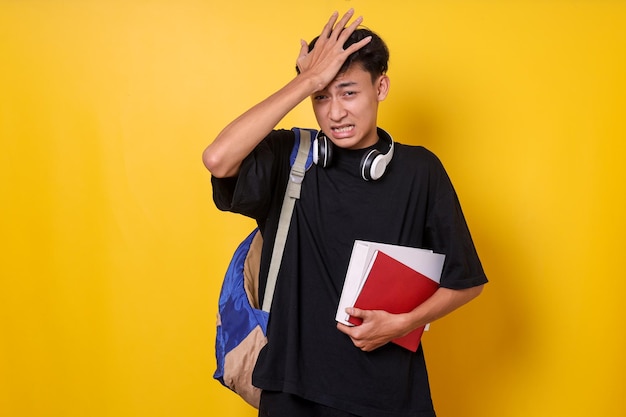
[396,288]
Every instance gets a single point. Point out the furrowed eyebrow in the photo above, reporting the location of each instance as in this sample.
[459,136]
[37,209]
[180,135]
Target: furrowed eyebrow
[345,84]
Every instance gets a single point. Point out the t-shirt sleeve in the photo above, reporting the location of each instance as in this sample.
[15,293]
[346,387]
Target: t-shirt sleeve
[250,193]
[448,233]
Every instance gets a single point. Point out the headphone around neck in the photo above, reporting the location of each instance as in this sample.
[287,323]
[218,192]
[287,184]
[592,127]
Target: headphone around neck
[373,165]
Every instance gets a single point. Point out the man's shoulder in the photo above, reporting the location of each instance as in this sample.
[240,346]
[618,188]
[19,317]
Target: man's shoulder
[279,141]
[415,152]
[280,134]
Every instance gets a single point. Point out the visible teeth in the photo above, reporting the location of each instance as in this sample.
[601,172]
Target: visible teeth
[342,129]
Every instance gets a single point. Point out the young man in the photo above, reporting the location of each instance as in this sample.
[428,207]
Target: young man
[313,366]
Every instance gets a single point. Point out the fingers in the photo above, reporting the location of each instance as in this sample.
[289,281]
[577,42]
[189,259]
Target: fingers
[358,45]
[304,47]
[341,25]
[349,331]
[326,58]
[356,312]
[338,31]
[345,32]
[304,50]
[359,339]
[328,28]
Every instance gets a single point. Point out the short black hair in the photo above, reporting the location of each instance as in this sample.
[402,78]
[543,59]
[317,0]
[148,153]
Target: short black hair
[373,57]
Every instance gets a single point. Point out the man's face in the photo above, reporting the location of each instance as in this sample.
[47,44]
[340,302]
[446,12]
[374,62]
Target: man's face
[346,110]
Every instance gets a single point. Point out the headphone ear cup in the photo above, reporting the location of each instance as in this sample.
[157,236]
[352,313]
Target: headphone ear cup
[373,165]
[378,168]
[322,151]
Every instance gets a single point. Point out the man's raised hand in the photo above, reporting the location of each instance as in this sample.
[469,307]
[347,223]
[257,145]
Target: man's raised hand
[324,61]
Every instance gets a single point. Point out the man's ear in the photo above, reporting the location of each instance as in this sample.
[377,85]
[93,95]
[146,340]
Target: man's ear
[382,85]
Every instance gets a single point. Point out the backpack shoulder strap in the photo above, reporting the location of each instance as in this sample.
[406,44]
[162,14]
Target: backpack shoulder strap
[302,148]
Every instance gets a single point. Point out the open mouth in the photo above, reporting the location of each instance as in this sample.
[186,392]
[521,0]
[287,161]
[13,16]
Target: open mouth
[343,129]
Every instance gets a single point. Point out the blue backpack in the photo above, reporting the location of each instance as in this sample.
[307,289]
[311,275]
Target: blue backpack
[241,324]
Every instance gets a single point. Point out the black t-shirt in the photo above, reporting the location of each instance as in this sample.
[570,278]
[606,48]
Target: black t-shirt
[413,204]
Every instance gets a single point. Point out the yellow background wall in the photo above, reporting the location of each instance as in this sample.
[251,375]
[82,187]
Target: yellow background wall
[112,252]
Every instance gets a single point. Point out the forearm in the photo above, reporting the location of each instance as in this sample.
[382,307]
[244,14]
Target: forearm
[224,155]
[443,302]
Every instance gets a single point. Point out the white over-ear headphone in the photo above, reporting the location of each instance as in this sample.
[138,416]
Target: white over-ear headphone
[373,165]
